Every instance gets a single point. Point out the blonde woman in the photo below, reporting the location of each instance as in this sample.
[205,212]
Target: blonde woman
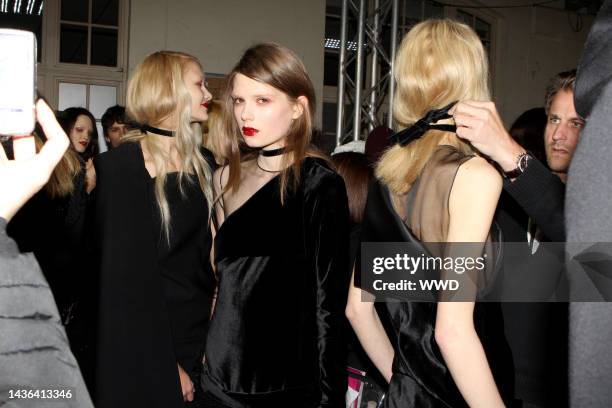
[152,238]
[445,354]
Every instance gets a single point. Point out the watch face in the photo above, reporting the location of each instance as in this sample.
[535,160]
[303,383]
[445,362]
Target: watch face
[524,161]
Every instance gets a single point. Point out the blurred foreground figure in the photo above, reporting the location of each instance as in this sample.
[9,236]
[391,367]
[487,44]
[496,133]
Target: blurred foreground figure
[588,210]
[34,351]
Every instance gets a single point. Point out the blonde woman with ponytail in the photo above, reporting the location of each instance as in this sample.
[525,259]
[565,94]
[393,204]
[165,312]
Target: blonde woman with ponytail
[434,185]
[152,238]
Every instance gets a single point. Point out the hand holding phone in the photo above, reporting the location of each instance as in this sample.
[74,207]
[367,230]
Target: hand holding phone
[22,177]
[17,82]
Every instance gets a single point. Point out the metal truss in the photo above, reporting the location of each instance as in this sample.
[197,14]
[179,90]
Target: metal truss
[371,54]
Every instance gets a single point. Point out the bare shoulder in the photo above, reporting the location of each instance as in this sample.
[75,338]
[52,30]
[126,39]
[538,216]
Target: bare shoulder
[473,200]
[477,185]
[477,173]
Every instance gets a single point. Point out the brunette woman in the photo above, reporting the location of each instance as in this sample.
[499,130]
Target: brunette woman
[281,247]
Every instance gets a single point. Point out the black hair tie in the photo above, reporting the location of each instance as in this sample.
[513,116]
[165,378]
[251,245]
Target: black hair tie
[427,122]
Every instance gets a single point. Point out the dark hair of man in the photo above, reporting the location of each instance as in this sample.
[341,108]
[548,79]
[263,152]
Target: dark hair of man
[113,114]
[563,81]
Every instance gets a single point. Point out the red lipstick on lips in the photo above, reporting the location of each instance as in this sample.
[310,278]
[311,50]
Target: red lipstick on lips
[206,104]
[84,144]
[249,131]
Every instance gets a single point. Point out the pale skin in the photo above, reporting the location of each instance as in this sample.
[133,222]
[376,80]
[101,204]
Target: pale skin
[193,78]
[80,137]
[472,204]
[271,112]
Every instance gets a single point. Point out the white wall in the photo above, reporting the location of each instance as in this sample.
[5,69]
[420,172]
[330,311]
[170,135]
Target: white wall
[218,32]
[533,44]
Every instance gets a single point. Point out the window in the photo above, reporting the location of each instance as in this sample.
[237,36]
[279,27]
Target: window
[82,49]
[89,32]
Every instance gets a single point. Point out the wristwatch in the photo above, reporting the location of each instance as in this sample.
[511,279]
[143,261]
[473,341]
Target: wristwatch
[522,161]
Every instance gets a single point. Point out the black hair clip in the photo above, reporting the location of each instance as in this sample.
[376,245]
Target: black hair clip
[427,122]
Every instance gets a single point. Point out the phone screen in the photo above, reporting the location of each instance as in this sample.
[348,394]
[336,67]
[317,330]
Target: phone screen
[17,81]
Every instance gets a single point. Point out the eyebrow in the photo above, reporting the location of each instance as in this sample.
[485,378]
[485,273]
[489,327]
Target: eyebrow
[253,96]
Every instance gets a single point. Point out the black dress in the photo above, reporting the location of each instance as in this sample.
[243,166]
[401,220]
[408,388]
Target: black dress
[276,335]
[421,377]
[155,299]
[187,276]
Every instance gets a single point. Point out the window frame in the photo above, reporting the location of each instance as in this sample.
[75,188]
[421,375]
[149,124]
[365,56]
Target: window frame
[51,71]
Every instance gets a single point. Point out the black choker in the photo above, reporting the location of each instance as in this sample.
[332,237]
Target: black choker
[271,153]
[157,131]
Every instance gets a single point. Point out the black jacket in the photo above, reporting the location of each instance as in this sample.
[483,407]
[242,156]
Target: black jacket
[136,361]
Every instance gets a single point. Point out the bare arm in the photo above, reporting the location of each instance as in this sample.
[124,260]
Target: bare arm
[369,329]
[472,204]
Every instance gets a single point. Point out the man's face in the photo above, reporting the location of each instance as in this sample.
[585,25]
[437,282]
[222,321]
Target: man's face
[114,134]
[562,132]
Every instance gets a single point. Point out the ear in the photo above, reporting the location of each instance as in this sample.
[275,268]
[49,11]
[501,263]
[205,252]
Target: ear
[299,107]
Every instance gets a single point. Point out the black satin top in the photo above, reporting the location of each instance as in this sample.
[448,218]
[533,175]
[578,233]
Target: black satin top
[276,335]
[421,377]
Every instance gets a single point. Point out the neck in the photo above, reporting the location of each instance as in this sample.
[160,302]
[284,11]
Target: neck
[562,176]
[274,163]
[168,123]
[167,142]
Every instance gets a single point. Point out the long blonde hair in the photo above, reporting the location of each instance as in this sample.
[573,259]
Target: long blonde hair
[281,68]
[438,62]
[156,92]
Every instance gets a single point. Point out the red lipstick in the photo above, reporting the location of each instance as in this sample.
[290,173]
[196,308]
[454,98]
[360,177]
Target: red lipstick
[84,144]
[249,131]
[206,104]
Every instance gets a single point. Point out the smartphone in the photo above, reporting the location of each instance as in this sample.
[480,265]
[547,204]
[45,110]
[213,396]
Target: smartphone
[17,82]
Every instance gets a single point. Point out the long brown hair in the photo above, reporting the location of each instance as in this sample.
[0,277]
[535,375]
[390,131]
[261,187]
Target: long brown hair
[281,68]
